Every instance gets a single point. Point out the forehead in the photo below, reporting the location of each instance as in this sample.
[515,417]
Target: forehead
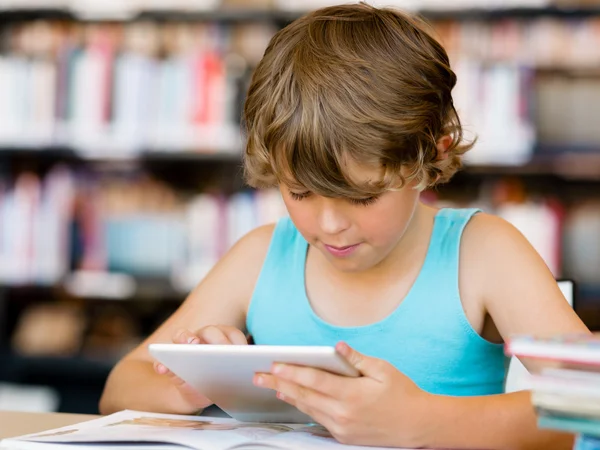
[359,174]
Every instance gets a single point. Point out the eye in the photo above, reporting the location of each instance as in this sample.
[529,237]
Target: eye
[299,196]
[364,201]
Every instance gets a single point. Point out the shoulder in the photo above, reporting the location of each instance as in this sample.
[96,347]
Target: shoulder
[235,274]
[258,237]
[494,247]
[491,235]
[234,266]
[495,255]
[500,266]
[255,244]
[512,281]
[490,256]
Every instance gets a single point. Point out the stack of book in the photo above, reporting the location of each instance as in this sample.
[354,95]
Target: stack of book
[565,383]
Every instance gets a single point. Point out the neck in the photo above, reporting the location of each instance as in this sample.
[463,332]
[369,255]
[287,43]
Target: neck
[411,246]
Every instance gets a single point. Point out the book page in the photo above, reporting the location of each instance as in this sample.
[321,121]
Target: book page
[305,438]
[195,432]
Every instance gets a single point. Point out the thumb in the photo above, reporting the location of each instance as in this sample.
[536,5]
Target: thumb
[366,365]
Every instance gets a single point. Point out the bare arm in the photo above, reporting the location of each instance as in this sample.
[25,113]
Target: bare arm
[505,421]
[521,296]
[222,298]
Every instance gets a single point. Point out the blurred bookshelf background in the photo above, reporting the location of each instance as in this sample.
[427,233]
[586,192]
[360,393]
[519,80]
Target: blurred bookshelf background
[120,177]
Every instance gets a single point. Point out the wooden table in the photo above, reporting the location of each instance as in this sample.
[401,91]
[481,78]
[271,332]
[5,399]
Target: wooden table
[18,423]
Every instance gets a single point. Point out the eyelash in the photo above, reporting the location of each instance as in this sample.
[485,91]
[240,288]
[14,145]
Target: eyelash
[364,201]
[356,201]
[299,197]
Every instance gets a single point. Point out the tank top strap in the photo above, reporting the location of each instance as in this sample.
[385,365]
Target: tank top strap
[444,248]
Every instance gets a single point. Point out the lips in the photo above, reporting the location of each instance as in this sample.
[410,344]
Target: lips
[341,248]
[340,252]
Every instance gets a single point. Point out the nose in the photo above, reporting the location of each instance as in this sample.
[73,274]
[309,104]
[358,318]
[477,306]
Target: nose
[332,219]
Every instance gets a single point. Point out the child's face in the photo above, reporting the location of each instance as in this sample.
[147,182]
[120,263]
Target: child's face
[354,237]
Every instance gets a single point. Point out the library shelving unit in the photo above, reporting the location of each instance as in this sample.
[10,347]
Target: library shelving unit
[236,13]
[568,171]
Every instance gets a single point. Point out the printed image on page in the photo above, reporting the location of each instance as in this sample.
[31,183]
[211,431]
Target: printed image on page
[202,433]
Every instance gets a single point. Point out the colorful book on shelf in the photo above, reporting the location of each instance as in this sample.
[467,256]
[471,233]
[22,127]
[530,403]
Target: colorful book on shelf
[132,429]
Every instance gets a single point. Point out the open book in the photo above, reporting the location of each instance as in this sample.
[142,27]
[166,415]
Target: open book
[131,429]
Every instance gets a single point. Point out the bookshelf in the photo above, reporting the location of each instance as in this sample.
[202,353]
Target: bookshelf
[581,164]
[64,153]
[553,11]
[125,155]
[237,14]
[77,382]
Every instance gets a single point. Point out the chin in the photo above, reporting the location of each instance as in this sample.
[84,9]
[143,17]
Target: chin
[350,266]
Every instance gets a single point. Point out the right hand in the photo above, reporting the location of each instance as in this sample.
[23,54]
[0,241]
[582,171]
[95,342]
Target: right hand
[212,334]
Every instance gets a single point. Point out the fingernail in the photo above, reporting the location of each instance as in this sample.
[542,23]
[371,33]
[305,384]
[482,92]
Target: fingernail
[259,380]
[192,340]
[280,396]
[277,369]
[160,368]
[342,347]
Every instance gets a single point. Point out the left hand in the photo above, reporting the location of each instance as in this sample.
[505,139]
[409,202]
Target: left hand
[383,407]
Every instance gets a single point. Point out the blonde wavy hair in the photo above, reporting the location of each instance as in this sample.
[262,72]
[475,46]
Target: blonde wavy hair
[351,83]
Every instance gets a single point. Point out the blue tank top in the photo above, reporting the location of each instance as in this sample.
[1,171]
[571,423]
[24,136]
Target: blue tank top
[427,337]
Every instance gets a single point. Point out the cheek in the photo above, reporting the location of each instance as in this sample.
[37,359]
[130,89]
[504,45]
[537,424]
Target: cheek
[387,221]
[380,229]
[301,214]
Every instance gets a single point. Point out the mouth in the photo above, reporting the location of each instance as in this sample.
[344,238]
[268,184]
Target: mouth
[345,247]
[341,251]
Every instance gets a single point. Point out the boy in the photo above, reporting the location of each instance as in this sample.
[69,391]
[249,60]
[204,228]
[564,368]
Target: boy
[350,114]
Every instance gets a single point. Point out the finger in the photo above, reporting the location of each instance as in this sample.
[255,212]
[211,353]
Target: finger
[235,336]
[315,412]
[370,367]
[184,336]
[161,369]
[323,410]
[309,401]
[213,335]
[265,380]
[324,382]
[294,392]
[196,397]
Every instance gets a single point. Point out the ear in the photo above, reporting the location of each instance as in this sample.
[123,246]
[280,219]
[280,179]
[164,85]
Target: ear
[443,144]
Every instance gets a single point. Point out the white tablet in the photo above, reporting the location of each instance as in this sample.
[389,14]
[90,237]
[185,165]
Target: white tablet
[224,374]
